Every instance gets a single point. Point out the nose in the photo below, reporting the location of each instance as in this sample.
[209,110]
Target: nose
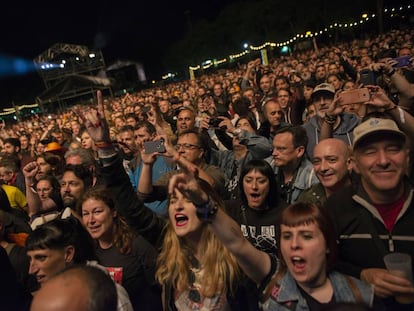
[324,165]
[254,184]
[33,269]
[382,158]
[90,219]
[294,242]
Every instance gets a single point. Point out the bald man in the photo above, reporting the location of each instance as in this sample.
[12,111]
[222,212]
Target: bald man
[80,288]
[332,165]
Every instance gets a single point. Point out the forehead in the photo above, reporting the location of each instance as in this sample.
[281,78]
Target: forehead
[329,149]
[126,134]
[185,113]
[254,173]
[43,183]
[142,131]
[41,252]
[283,138]
[70,176]
[311,226]
[188,138]
[271,106]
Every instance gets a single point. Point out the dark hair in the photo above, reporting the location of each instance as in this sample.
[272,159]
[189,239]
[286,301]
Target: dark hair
[201,141]
[308,213]
[55,161]
[284,89]
[266,170]
[13,141]
[55,194]
[60,233]
[126,128]
[241,105]
[81,172]
[101,288]
[250,118]
[299,136]
[148,126]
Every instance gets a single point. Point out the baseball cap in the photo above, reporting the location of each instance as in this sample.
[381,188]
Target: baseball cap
[376,126]
[324,87]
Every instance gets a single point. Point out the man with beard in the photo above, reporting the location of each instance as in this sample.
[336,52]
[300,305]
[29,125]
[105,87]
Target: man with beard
[76,180]
[128,148]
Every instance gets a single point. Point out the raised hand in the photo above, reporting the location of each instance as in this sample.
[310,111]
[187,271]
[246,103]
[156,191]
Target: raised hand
[94,121]
[30,170]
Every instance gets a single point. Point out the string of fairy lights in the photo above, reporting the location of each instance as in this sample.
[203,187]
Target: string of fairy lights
[216,62]
[309,34]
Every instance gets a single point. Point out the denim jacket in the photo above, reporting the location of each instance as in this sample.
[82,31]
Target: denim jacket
[286,295]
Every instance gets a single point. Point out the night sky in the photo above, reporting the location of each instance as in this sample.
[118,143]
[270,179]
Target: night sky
[135,30]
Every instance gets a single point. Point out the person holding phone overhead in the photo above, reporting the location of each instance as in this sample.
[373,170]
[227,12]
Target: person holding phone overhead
[330,119]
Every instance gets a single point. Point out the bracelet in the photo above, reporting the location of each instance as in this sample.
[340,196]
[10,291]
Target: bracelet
[207,210]
[103,144]
[330,119]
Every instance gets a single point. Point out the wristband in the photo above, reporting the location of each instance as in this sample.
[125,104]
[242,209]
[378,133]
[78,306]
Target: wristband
[207,210]
[330,119]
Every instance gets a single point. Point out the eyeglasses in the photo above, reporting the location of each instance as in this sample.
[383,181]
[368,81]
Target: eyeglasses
[186,146]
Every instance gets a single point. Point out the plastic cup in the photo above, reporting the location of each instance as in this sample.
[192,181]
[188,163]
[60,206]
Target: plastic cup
[400,264]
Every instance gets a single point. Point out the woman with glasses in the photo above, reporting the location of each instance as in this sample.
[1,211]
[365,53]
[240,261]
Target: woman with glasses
[48,201]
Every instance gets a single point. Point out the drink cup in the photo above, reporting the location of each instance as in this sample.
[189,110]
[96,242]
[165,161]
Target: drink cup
[400,264]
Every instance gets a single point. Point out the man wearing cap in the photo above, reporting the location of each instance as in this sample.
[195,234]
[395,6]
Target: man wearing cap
[329,121]
[376,216]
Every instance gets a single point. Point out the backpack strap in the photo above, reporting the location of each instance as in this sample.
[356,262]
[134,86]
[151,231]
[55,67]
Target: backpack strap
[355,290]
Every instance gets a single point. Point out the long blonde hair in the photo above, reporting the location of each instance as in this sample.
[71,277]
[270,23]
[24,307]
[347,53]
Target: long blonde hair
[220,268]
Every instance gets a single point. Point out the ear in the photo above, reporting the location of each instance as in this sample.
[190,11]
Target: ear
[114,214]
[69,253]
[349,164]
[201,154]
[354,165]
[301,151]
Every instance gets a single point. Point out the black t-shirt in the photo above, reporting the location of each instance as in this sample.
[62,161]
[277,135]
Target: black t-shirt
[138,270]
[313,304]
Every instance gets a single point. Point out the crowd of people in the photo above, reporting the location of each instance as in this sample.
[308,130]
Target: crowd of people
[271,186]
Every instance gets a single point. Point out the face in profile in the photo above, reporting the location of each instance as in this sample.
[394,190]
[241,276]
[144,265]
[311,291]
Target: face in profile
[45,263]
